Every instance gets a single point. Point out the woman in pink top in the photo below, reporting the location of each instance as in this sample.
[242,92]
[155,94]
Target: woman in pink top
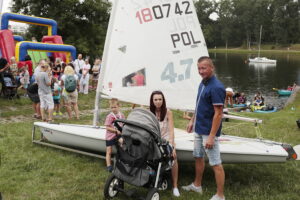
[165,117]
[111,132]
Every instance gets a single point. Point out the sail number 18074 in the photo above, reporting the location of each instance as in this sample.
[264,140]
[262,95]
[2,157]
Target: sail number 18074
[163,11]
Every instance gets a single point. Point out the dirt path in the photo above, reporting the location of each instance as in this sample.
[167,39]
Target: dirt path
[29,118]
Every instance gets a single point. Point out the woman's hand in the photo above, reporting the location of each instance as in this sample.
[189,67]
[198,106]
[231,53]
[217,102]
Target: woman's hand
[189,127]
[174,154]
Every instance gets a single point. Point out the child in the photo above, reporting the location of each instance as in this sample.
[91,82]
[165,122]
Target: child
[14,67]
[56,98]
[24,77]
[242,99]
[111,132]
[258,99]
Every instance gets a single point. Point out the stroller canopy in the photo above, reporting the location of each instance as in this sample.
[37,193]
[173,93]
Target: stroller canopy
[144,128]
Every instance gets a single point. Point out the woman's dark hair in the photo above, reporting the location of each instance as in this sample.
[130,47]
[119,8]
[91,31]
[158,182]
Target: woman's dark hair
[163,109]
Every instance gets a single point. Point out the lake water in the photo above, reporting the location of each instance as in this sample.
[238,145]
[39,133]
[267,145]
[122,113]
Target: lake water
[232,70]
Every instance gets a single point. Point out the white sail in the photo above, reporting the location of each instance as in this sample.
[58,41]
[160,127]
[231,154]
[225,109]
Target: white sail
[153,45]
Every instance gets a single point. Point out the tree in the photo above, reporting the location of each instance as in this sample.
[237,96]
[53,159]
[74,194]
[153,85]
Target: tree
[226,18]
[82,25]
[204,9]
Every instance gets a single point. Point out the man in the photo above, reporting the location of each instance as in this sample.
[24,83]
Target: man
[38,69]
[206,123]
[78,64]
[43,79]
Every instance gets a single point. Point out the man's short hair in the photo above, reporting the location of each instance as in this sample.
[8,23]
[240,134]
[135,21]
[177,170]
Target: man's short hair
[202,58]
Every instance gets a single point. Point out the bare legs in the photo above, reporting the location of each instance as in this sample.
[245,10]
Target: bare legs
[175,174]
[199,169]
[219,175]
[220,179]
[76,110]
[50,112]
[108,155]
[37,109]
[69,110]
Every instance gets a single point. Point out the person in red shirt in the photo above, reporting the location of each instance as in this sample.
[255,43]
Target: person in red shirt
[138,79]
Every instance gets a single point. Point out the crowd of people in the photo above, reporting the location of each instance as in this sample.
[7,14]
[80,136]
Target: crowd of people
[50,84]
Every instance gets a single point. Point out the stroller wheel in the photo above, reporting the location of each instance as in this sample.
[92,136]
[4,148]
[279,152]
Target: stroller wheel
[153,194]
[165,183]
[111,187]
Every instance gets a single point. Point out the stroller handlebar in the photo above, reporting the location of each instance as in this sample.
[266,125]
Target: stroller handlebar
[137,124]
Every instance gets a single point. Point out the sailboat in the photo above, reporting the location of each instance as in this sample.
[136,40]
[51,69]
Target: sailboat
[154,46]
[261,60]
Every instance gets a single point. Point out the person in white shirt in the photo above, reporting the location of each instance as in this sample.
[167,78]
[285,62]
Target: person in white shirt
[78,65]
[84,80]
[37,69]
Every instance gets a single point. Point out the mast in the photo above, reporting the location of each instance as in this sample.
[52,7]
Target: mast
[104,59]
[259,41]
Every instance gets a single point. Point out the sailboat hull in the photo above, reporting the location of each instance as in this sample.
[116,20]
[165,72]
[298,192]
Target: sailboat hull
[233,149]
[262,60]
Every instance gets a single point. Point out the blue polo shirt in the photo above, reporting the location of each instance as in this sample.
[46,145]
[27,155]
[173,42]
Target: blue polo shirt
[211,92]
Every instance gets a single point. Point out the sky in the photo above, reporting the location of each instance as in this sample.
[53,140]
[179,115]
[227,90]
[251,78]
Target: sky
[6,4]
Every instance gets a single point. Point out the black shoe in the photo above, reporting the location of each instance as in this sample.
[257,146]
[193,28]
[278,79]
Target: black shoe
[109,169]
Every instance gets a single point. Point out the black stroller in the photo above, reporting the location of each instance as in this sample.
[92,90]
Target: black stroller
[143,158]
[9,86]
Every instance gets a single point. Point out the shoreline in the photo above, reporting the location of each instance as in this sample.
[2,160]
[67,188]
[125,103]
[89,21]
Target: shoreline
[237,50]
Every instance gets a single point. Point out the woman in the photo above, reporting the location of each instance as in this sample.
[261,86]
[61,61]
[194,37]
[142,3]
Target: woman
[70,98]
[96,70]
[165,117]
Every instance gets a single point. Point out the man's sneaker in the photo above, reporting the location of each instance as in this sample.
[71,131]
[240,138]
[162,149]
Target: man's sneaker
[60,113]
[192,187]
[54,113]
[176,192]
[216,197]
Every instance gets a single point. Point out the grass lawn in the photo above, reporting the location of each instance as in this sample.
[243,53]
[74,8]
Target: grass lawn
[33,172]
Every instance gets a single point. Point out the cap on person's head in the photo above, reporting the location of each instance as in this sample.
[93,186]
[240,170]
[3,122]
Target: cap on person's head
[69,70]
[3,62]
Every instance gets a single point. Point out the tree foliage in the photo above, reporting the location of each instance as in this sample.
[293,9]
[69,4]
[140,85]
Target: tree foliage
[82,24]
[239,22]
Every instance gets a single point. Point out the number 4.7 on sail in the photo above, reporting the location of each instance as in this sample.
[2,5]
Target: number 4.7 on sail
[170,74]
[163,11]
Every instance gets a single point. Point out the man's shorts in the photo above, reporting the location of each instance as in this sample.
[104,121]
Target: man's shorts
[34,97]
[213,154]
[46,101]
